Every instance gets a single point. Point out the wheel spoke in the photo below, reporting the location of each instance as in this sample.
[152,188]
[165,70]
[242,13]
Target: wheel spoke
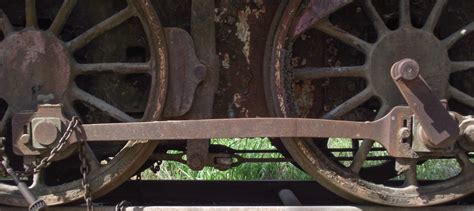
[4,120]
[62,16]
[405,15]
[92,160]
[461,66]
[455,37]
[435,14]
[361,156]
[461,96]
[5,24]
[30,13]
[114,112]
[366,146]
[410,175]
[327,27]
[100,29]
[328,72]
[350,104]
[122,68]
[374,16]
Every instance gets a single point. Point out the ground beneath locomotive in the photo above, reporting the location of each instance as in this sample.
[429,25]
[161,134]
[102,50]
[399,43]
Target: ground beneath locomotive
[34,68]
[412,43]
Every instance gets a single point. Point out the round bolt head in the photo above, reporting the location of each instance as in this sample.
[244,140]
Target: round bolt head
[46,133]
[407,69]
[196,162]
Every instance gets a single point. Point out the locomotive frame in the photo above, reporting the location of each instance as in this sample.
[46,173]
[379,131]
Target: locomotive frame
[185,92]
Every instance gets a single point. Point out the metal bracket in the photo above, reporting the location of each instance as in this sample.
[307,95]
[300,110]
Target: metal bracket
[186,72]
[440,130]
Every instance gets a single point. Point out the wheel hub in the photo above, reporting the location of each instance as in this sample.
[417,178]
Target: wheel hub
[34,68]
[408,42]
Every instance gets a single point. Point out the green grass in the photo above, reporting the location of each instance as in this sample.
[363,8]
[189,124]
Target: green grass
[428,170]
[247,171]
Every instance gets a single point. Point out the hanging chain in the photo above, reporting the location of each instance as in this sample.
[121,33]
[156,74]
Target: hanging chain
[46,161]
[85,171]
[34,203]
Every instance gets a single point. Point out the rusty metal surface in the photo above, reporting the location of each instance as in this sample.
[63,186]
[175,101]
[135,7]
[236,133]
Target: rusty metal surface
[235,83]
[242,28]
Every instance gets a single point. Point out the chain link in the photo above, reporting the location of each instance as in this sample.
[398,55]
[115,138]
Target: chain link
[85,181]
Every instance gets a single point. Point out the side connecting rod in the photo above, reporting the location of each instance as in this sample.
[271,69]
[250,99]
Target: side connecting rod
[231,128]
[380,130]
[386,130]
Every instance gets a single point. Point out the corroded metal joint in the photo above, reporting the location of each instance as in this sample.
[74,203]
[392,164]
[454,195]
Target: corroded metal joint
[407,69]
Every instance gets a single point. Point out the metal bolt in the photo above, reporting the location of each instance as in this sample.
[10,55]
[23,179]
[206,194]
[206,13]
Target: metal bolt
[404,133]
[196,162]
[407,69]
[46,133]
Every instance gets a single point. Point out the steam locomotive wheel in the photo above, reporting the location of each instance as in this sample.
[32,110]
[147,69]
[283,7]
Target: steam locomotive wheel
[340,69]
[38,66]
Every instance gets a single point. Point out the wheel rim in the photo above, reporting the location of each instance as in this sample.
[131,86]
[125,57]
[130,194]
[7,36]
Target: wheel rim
[343,180]
[104,177]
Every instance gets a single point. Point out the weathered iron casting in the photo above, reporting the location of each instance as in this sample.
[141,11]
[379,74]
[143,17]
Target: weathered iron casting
[210,66]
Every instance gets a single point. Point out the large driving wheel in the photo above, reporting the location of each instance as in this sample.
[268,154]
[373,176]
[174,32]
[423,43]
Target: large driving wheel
[340,69]
[105,61]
